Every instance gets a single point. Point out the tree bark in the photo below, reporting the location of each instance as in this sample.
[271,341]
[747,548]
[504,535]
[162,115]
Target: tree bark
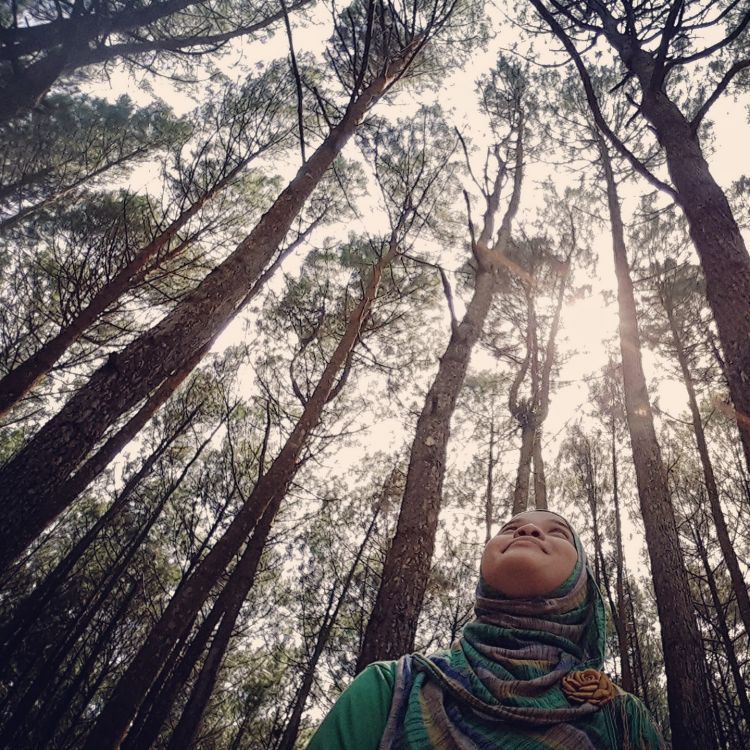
[523,474]
[540,480]
[687,691]
[29,482]
[131,689]
[292,728]
[621,622]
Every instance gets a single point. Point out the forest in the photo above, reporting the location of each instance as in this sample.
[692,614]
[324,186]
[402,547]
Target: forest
[300,301]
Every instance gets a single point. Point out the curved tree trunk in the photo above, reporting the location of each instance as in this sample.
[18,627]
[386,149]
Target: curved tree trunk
[392,626]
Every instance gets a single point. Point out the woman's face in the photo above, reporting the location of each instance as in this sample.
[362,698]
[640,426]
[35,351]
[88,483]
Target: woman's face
[530,556]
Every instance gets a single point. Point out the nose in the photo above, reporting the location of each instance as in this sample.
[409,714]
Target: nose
[529,529]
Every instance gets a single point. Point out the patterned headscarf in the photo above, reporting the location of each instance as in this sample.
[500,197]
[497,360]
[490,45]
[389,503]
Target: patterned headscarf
[509,680]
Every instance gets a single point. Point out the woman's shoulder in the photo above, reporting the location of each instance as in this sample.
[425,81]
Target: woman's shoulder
[359,716]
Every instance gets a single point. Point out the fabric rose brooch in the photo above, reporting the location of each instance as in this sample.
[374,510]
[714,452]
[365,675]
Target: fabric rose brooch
[589,686]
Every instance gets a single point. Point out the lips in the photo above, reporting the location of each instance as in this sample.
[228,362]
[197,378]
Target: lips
[531,539]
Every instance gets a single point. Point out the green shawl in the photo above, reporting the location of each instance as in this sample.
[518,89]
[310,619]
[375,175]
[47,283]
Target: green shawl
[499,686]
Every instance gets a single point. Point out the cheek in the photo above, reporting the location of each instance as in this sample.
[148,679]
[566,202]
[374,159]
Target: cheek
[490,557]
[567,557]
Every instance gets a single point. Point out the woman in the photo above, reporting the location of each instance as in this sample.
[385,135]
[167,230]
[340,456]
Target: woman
[523,675]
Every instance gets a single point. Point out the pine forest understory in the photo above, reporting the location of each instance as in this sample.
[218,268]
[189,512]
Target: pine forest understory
[300,301]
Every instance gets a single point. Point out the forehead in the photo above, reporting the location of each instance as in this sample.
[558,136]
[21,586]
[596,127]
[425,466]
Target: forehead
[539,517]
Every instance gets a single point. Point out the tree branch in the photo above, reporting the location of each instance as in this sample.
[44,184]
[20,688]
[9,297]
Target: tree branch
[637,164]
[297,80]
[718,91]
[448,298]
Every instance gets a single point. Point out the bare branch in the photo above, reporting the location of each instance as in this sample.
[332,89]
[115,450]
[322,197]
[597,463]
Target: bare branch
[297,80]
[448,298]
[717,92]
[468,161]
[470,222]
[728,39]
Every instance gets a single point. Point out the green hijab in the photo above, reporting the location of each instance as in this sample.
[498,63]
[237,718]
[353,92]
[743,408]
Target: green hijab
[501,683]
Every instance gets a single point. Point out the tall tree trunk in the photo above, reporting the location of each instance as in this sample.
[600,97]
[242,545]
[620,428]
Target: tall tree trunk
[70,490]
[523,474]
[489,486]
[687,691]
[173,675]
[532,413]
[620,618]
[720,624]
[230,603]
[644,693]
[19,381]
[64,702]
[718,240]
[392,625]
[184,605]
[713,228]
[592,498]
[332,612]
[28,483]
[718,723]
[712,490]
[540,480]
